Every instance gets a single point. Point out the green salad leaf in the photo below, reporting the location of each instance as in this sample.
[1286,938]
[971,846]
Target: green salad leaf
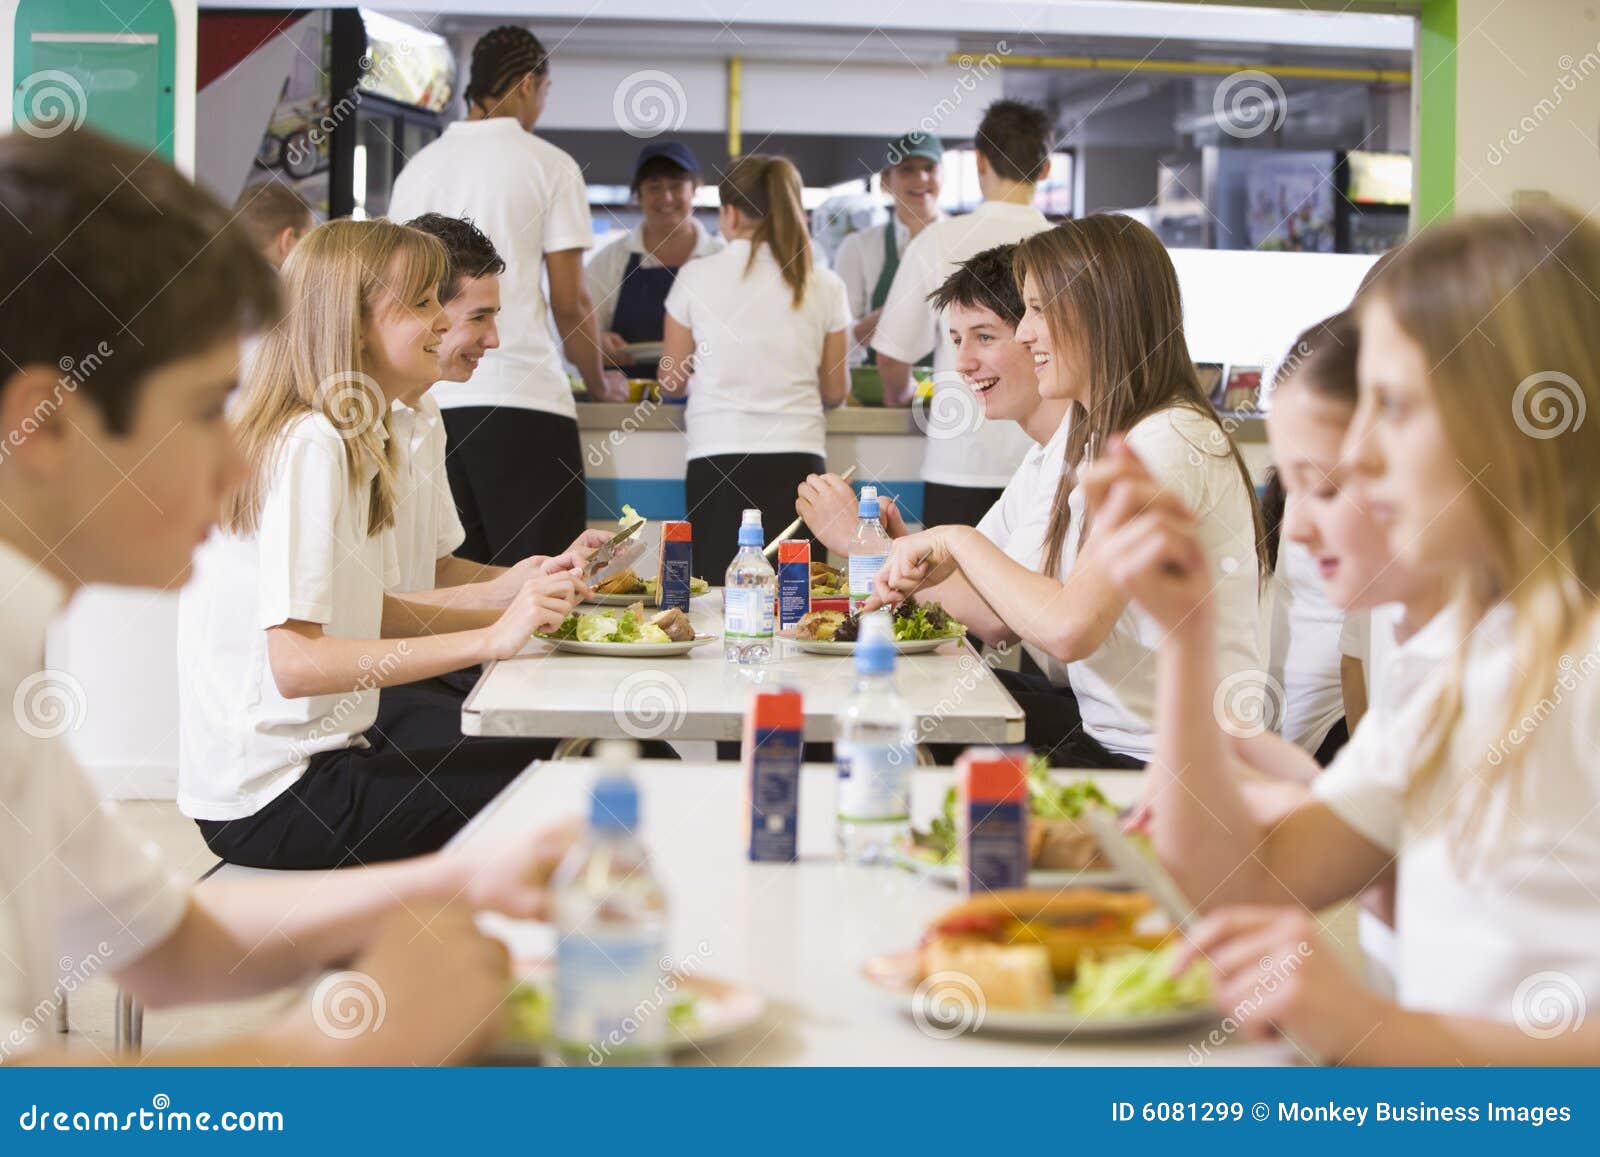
[1059,801]
[1135,983]
[529,1008]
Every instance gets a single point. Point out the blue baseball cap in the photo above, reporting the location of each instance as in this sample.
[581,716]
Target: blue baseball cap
[675,152]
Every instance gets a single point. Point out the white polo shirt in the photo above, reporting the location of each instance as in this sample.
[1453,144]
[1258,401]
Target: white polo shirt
[606,268]
[982,454]
[755,387]
[530,198]
[80,896]
[427,526]
[1511,933]
[1017,523]
[1304,649]
[241,743]
[1116,685]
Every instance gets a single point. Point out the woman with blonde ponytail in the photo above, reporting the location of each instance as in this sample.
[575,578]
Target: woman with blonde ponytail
[287,633]
[1479,364]
[758,336]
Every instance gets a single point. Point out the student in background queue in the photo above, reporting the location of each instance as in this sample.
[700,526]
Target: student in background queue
[515,463]
[759,337]
[123,475]
[1481,789]
[275,217]
[868,261]
[288,632]
[967,460]
[629,279]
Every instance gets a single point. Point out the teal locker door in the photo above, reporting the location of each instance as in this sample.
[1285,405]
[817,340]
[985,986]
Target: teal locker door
[105,63]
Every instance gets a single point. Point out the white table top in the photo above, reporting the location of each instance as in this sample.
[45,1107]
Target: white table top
[799,933]
[544,693]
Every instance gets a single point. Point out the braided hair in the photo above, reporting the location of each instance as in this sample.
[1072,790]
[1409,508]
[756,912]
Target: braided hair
[501,58]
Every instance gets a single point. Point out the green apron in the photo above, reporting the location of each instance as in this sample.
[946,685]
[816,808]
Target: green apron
[880,291]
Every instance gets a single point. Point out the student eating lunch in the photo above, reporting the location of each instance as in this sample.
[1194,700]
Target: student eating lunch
[288,632]
[82,892]
[1046,585]
[629,279]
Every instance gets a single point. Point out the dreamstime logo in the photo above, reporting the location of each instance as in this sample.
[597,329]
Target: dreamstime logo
[649,103]
[1249,103]
[1548,404]
[352,401]
[973,70]
[1247,703]
[952,412]
[1571,72]
[1548,1004]
[1272,975]
[51,103]
[947,1004]
[49,703]
[346,1004]
[649,704]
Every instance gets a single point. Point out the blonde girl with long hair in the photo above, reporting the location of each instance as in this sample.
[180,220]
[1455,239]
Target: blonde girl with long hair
[288,633]
[1480,356]
[758,336]
[1103,319]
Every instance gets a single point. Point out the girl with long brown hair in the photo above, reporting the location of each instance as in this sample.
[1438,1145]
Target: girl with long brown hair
[288,634]
[758,336]
[1104,322]
[1479,362]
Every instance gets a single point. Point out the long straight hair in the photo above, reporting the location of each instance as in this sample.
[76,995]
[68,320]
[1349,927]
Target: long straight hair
[1503,309]
[311,362]
[767,190]
[1111,299]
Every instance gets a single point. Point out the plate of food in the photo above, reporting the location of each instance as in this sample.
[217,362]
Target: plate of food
[701,1011]
[627,588]
[918,628]
[1062,851]
[1049,963]
[638,630]
[829,582]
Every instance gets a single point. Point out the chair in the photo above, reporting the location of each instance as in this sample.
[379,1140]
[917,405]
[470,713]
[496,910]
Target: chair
[128,1026]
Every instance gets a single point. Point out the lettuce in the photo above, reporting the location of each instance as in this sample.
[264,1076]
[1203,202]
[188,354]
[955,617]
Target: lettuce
[1059,801]
[597,629]
[1136,983]
[629,517]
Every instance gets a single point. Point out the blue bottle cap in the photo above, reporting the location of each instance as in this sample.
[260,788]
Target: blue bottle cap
[750,533]
[875,652]
[868,507]
[614,804]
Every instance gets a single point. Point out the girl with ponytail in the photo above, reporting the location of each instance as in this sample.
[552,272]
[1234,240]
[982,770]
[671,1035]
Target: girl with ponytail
[758,337]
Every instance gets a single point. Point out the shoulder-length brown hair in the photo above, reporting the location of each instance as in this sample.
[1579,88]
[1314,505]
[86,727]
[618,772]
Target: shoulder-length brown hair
[1111,298]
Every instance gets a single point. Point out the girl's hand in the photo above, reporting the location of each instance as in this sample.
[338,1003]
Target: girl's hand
[1273,973]
[537,609]
[576,555]
[512,878]
[915,561]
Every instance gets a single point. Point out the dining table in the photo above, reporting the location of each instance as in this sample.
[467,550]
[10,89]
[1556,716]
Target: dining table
[547,693]
[798,937]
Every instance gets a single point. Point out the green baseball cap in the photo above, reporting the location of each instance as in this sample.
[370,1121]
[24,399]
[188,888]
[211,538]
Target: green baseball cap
[914,144]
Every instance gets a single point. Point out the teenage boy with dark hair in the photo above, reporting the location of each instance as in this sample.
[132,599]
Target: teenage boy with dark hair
[117,458]
[967,460]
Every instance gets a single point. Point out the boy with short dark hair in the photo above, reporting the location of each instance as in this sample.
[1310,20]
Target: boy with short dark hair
[117,459]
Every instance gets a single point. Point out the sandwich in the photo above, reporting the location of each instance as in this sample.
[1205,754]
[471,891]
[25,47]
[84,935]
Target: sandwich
[1020,946]
[626,583]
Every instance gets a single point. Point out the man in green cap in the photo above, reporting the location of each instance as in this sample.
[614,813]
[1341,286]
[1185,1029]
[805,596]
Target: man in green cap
[867,261]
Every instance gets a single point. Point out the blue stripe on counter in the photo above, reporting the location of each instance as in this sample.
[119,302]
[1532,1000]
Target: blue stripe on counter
[663,498]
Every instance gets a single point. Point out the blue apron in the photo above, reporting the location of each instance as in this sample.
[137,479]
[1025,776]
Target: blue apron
[641,309]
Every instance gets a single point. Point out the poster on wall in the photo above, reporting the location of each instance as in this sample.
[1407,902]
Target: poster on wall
[296,145]
[1291,203]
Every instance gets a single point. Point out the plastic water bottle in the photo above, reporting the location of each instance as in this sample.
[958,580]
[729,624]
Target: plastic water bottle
[874,752]
[612,998]
[749,597]
[869,548]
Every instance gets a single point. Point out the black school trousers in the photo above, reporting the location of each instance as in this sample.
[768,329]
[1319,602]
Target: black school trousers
[718,490]
[956,505]
[417,783]
[517,479]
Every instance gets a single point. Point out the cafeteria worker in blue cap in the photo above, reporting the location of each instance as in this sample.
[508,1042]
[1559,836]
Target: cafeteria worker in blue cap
[629,279]
[867,261]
